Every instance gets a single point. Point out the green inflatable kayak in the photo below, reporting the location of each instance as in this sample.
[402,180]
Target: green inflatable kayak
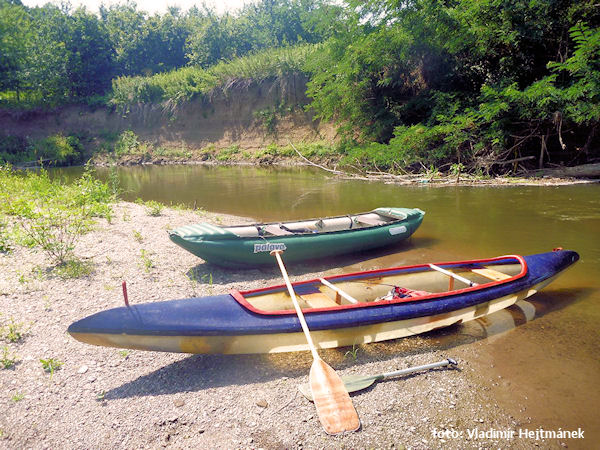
[250,245]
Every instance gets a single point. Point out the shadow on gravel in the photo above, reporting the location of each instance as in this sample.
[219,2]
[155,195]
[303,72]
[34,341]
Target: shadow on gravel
[201,372]
[215,275]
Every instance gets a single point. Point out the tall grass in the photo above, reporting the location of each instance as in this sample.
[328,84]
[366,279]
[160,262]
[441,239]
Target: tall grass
[184,84]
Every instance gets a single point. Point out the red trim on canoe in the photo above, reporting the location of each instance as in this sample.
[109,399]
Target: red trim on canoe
[239,295]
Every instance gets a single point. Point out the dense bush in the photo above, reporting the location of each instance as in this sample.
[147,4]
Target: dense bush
[55,149]
[427,82]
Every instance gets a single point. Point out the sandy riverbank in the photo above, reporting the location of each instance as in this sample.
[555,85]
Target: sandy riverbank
[107,398]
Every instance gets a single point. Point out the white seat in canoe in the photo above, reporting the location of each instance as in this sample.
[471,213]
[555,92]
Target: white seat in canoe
[276,230]
[369,221]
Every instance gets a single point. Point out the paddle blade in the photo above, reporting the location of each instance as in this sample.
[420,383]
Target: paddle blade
[352,383]
[334,407]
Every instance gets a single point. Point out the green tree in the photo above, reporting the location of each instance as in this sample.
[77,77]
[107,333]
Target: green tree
[47,55]
[127,34]
[15,34]
[90,56]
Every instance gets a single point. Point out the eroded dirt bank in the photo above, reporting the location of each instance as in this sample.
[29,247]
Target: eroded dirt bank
[109,398]
[248,117]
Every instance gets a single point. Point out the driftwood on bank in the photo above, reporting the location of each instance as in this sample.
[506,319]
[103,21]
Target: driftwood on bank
[583,171]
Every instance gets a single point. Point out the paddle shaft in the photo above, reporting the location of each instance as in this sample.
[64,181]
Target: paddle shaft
[311,344]
[334,407]
[397,373]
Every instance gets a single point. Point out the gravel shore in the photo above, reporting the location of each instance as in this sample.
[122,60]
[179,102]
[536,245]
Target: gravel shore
[110,398]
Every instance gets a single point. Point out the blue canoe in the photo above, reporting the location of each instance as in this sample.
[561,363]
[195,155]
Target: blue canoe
[340,310]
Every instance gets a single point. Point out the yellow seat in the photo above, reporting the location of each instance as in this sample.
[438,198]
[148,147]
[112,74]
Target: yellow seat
[319,300]
[491,274]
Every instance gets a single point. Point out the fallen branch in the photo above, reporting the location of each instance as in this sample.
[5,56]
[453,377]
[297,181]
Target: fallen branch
[338,172]
[583,171]
[509,161]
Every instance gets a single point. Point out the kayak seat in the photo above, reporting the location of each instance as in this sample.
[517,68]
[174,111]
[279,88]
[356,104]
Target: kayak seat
[319,300]
[369,221]
[313,297]
[276,230]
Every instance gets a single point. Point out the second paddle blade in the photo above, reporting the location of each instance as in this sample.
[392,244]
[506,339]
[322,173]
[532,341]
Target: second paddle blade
[334,407]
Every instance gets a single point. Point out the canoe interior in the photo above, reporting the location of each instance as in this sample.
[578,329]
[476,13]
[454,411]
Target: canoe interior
[378,217]
[314,295]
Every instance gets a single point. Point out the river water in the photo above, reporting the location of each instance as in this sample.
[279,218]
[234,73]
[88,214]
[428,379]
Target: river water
[547,368]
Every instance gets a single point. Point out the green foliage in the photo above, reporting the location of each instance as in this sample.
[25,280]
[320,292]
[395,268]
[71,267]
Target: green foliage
[146,262]
[58,148]
[581,92]
[53,215]
[51,55]
[153,208]
[172,152]
[409,83]
[6,244]
[228,153]
[268,119]
[12,148]
[74,268]
[184,84]
[127,144]
[55,149]
[51,365]
[352,353]
[17,397]
[7,359]
[422,82]
[13,331]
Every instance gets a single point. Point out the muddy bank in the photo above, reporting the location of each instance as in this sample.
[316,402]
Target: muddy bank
[109,398]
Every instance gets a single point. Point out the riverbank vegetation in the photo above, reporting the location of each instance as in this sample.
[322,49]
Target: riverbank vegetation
[476,86]
[50,215]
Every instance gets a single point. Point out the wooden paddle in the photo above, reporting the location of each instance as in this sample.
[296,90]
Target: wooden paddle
[355,383]
[334,407]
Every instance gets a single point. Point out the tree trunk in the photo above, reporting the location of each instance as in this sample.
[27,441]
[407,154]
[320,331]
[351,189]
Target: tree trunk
[583,171]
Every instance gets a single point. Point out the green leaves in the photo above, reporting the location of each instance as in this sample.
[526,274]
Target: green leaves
[51,214]
[184,84]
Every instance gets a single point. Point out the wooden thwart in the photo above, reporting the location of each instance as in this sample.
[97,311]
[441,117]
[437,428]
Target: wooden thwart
[491,274]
